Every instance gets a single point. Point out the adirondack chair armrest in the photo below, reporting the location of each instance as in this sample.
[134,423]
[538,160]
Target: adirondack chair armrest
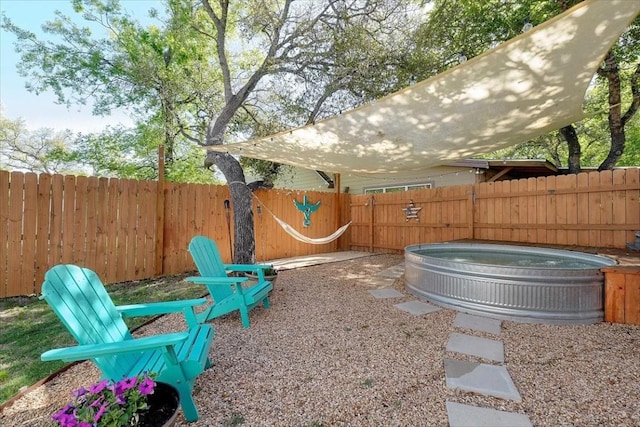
[247,267]
[216,280]
[222,281]
[155,308]
[89,351]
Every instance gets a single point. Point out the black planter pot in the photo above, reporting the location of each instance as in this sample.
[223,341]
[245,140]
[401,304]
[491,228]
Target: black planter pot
[163,407]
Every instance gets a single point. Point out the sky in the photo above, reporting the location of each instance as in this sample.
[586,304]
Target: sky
[41,111]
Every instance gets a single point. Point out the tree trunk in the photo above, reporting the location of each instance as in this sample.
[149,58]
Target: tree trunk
[570,135]
[618,139]
[616,126]
[244,247]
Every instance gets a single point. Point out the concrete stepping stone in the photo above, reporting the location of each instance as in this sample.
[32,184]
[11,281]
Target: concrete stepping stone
[395,271]
[477,323]
[386,293]
[461,415]
[476,346]
[417,308]
[378,281]
[488,380]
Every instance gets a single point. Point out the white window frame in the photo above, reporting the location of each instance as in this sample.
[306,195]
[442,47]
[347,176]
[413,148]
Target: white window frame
[398,188]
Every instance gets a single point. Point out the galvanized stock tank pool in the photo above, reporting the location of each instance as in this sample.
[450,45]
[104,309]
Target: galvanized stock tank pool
[525,284]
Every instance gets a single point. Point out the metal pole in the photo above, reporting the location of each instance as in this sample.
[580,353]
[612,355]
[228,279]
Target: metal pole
[227,211]
[259,209]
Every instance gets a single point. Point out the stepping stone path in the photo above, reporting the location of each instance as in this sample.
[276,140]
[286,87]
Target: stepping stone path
[482,378]
[466,415]
[477,323]
[417,308]
[489,379]
[378,282]
[476,346]
[386,293]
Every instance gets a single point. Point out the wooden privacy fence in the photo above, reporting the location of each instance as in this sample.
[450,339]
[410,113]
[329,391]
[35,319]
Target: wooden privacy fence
[273,242]
[198,209]
[599,209]
[130,230]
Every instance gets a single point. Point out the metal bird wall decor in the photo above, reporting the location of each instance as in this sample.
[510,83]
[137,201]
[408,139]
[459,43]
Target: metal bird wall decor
[306,208]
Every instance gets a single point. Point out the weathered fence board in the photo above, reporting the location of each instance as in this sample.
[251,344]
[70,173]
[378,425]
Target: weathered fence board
[102,218]
[55,248]
[44,225]
[111,262]
[29,224]
[14,247]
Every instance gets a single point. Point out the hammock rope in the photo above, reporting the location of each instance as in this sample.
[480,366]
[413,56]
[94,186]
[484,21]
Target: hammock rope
[318,241]
[301,237]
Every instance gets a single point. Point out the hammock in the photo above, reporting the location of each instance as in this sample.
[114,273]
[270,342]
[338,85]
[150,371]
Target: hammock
[526,87]
[301,237]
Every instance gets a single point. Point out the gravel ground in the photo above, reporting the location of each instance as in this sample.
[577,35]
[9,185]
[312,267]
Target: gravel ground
[328,354]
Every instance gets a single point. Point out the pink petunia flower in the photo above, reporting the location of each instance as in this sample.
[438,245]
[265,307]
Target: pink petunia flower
[68,420]
[128,383]
[80,392]
[96,402]
[146,386]
[58,415]
[98,387]
[98,414]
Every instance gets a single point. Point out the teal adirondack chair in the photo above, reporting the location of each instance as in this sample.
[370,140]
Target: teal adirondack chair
[228,293]
[83,305]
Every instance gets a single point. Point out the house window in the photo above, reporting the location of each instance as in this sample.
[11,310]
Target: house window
[397,188]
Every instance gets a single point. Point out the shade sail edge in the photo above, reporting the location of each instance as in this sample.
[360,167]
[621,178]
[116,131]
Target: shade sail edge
[524,88]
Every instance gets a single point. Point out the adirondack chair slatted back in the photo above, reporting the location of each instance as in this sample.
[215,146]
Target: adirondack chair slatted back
[229,293]
[206,256]
[79,299]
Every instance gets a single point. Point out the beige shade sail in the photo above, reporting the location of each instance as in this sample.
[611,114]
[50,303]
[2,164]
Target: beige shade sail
[524,88]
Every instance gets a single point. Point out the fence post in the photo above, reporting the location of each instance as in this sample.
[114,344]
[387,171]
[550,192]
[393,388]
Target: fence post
[471,201]
[160,214]
[372,203]
[338,207]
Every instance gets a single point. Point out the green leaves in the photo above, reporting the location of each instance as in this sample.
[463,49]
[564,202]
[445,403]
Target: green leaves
[475,26]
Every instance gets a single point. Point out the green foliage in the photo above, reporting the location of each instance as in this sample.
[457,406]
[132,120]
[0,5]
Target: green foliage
[263,169]
[475,26]
[29,328]
[471,27]
[631,156]
[234,420]
[162,74]
[133,154]
[367,383]
[119,152]
[550,147]
[43,150]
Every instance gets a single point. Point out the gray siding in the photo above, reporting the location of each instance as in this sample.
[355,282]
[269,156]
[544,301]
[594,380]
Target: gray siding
[441,176]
